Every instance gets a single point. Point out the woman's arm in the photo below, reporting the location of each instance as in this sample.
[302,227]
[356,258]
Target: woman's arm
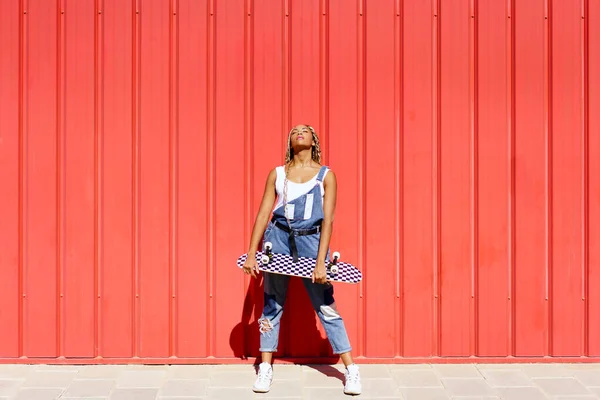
[261,221]
[329,202]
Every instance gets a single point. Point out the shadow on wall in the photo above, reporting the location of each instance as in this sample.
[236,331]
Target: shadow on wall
[299,335]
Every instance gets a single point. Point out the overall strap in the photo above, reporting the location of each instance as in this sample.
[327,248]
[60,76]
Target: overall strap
[322,173]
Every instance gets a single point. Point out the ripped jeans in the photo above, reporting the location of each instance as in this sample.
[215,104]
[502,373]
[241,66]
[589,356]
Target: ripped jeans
[321,297]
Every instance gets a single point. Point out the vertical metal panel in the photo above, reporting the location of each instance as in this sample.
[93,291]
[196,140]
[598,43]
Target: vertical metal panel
[116,191]
[343,93]
[418,126]
[592,130]
[530,181]
[78,179]
[43,111]
[455,212]
[192,179]
[136,138]
[494,155]
[568,185]
[10,176]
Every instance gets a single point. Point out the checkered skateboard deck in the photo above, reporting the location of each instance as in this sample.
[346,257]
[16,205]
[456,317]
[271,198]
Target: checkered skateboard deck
[337,271]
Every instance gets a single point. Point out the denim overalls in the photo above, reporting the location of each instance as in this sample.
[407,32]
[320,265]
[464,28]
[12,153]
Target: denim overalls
[307,213]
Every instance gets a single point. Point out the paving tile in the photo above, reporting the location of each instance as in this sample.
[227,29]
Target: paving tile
[133,394]
[505,366]
[424,394]
[595,390]
[184,387]
[546,370]
[327,393]
[328,370]
[9,371]
[561,386]
[418,378]
[457,371]
[38,394]
[521,393]
[141,379]
[100,372]
[179,398]
[467,387]
[314,379]
[591,397]
[476,398]
[50,378]
[587,377]
[284,389]
[287,371]
[588,366]
[57,367]
[190,371]
[232,380]
[379,388]
[233,368]
[373,371]
[9,387]
[147,367]
[89,388]
[415,367]
[229,393]
[506,378]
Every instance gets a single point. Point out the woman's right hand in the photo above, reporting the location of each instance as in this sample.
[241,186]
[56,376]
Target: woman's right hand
[251,266]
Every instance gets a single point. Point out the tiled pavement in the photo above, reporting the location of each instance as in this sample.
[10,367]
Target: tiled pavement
[422,382]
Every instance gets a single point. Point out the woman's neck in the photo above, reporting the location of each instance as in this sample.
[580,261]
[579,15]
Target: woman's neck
[302,159]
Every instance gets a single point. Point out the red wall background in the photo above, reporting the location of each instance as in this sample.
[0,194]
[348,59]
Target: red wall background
[136,137]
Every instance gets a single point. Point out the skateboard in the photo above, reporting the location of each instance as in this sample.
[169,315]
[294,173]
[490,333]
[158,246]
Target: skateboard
[337,271]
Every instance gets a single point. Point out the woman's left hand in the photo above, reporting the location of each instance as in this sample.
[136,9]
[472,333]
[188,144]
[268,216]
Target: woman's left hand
[319,274]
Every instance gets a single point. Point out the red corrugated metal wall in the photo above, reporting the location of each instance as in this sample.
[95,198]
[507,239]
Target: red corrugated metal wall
[136,136]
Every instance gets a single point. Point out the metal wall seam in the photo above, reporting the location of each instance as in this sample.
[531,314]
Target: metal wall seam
[549,165]
[398,176]
[211,171]
[60,178]
[173,173]
[511,304]
[248,129]
[437,262]
[136,96]
[474,178]
[98,173]
[585,30]
[362,121]
[23,101]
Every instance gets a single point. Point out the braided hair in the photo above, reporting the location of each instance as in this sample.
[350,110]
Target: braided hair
[316,149]
[289,154]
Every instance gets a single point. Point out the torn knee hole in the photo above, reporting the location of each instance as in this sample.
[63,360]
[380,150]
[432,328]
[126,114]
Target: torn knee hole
[265,325]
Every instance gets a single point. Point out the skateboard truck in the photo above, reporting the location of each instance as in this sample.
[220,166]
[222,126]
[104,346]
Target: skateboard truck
[268,255]
[333,265]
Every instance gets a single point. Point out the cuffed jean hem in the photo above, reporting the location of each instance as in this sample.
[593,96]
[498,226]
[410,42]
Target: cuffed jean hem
[262,350]
[343,351]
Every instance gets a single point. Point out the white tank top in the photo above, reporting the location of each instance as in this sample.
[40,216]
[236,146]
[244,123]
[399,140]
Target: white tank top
[294,189]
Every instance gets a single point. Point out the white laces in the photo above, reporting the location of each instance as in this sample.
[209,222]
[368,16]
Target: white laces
[264,375]
[352,377]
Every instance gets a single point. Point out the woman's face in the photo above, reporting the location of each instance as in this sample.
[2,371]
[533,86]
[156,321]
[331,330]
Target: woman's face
[301,136]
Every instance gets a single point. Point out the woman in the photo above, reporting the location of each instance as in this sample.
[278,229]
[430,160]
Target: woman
[301,226]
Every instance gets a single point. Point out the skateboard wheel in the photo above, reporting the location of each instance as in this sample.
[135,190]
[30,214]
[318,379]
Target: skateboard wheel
[264,259]
[334,269]
[336,256]
[268,245]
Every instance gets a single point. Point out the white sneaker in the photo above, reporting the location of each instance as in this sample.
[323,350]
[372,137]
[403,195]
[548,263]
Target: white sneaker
[352,385]
[264,378]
